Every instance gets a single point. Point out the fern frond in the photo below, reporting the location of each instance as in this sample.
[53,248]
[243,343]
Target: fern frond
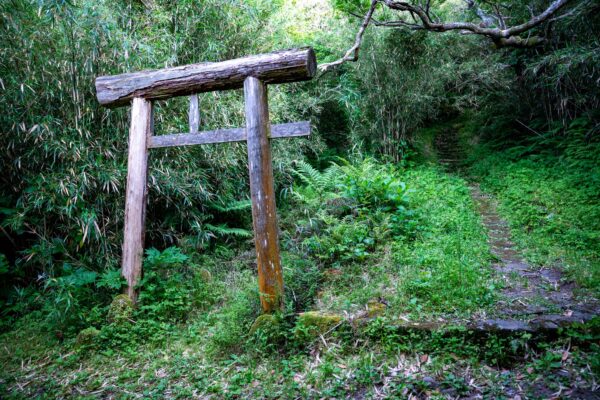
[330,176]
[307,173]
[233,206]
[224,230]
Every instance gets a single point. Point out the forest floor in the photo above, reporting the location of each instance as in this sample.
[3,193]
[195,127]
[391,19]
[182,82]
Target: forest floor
[465,261]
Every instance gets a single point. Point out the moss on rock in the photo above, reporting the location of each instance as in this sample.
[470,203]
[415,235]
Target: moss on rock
[265,322]
[205,275]
[375,308]
[120,310]
[314,323]
[268,330]
[87,336]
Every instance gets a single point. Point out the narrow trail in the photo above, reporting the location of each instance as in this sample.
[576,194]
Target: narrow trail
[533,298]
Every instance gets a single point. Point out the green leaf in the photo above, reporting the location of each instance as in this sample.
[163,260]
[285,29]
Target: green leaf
[3,264]
[224,230]
[112,279]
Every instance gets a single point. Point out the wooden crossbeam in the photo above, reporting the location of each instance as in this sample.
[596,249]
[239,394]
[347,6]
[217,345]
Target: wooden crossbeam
[278,67]
[293,129]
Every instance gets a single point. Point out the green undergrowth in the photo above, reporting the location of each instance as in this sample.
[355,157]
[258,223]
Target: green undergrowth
[417,246]
[549,191]
[363,244]
[378,361]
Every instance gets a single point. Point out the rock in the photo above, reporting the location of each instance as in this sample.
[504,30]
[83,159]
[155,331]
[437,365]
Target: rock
[87,337]
[375,308]
[268,329]
[314,323]
[430,382]
[120,310]
[340,206]
[205,275]
[266,323]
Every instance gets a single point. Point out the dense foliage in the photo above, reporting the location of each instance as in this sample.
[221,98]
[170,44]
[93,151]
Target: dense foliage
[64,156]
[370,228]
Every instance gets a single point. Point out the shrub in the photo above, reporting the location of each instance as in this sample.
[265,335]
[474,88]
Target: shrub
[87,338]
[121,309]
[165,290]
[231,325]
[69,296]
[373,185]
[353,208]
[171,289]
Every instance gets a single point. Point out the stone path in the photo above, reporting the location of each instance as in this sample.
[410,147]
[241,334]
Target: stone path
[533,298]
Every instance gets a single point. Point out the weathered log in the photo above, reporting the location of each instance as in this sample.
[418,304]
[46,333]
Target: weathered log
[293,129]
[135,196]
[278,67]
[262,191]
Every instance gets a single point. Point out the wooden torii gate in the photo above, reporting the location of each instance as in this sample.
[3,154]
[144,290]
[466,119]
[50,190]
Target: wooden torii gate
[252,73]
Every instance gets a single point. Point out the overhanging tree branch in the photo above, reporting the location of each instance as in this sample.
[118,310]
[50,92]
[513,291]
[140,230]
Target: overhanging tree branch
[352,53]
[501,35]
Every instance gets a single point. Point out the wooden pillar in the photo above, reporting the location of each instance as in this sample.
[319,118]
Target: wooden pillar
[135,201]
[194,114]
[264,214]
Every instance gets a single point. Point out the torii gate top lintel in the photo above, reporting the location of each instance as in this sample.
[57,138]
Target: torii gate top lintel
[253,73]
[278,67]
